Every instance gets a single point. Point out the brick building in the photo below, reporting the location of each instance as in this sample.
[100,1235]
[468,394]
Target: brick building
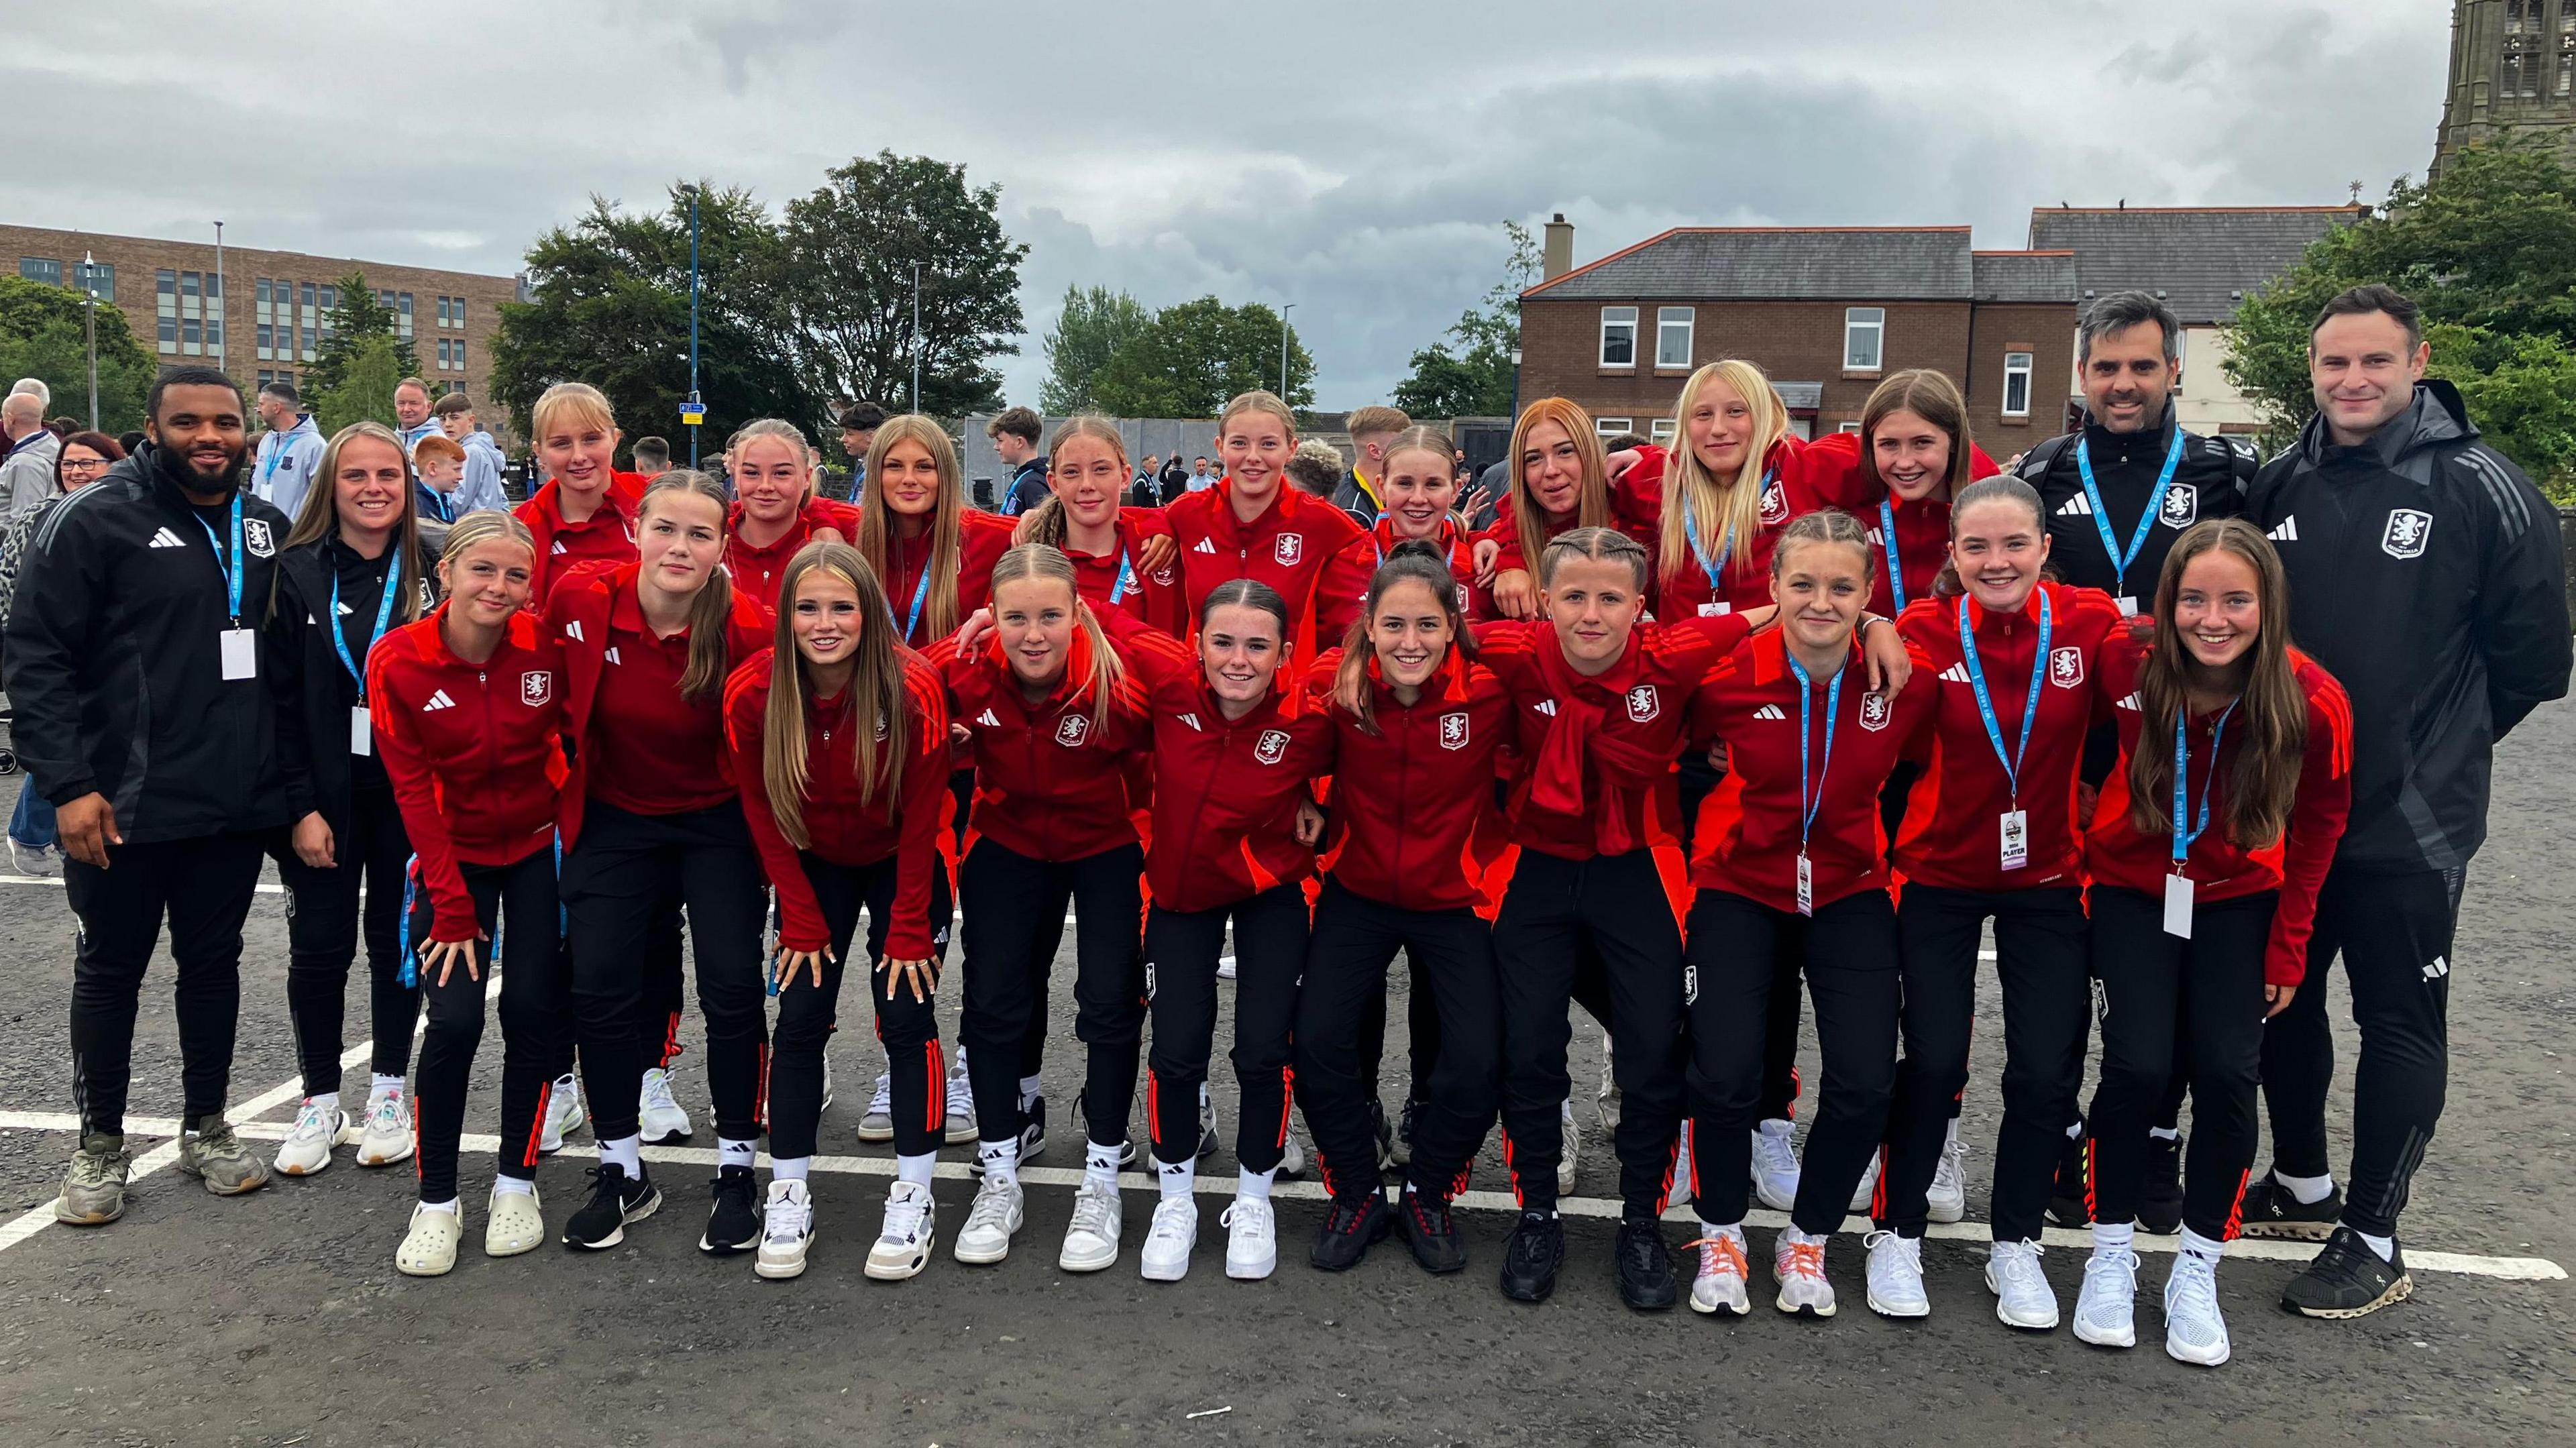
[1825,311]
[275,302]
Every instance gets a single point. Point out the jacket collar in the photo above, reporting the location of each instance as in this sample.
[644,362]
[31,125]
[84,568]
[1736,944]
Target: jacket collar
[2436,415]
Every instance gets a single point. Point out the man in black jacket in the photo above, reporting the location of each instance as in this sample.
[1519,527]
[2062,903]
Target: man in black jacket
[1015,440]
[2425,574]
[149,703]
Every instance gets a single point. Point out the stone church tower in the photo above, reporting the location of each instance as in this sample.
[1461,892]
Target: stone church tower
[2513,73]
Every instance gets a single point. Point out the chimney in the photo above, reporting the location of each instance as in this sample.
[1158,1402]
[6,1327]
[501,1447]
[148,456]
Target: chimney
[1557,256]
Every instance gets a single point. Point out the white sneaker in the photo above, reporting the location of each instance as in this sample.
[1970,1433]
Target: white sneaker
[429,1248]
[1868,1188]
[1896,1276]
[2195,1332]
[514,1222]
[961,1104]
[986,1237]
[1800,1269]
[1720,1284]
[42,861]
[1572,1153]
[665,1121]
[1175,1230]
[786,1230]
[1775,1166]
[878,1122]
[1225,968]
[563,1113]
[388,1132]
[2023,1297]
[911,1229]
[827,1086]
[1091,1239]
[1207,1122]
[1682,1157]
[1292,1158]
[1948,1194]
[2106,1310]
[1252,1239]
[307,1147]
[1605,1102]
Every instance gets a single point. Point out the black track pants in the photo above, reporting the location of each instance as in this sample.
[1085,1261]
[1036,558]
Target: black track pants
[908,1028]
[1014,916]
[1181,950]
[326,918]
[517,905]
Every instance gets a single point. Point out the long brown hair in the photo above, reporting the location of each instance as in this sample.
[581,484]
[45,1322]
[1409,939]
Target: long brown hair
[2271,718]
[1415,560]
[1591,495]
[1726,511]
[1045,523]
[1931,396]
[876,520]
[711,610]
[876,688]
[319,517]
[1047,562]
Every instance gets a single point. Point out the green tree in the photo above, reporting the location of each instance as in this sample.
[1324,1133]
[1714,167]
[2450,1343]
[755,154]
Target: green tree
[611,308]
[364,388]
[844,275]
[1476,379]
[2489,252]
[1087,333]
[357,321]
[44,334]
[1195,356]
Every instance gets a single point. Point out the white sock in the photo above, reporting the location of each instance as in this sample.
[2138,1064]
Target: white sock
[449,1206]
[2076,1132]
[1000,1159]
[327,1100]
[2196,1245]
[2386,1247]
[916,1169]
[735,1153]
[789,1168]
[1253,1184]
[1028,1092]
[626,1151]
[1710,1231]
[2165,1133]
[2309,1190]
[510,1186]
[2108,1239]
[1178,1178]
[387,1086]
[1100,1165]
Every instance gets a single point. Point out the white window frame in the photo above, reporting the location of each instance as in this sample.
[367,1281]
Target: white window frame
[1660,432]
[1619,320]
[1609,427]
[1872,323]
[1847,427]
[2017,368]
[1668,320]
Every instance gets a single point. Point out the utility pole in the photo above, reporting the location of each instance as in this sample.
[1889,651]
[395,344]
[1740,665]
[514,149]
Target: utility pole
[220,329]
[916,336]
[1283,349]
[89,305]
[696,409]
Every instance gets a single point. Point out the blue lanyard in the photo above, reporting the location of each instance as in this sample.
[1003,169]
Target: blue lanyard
[1896,569]
[1833,706]
[1699,550]
[920,592]
[1986,703]
[2183,840]
[1118,590]
[384,615]
[232,564]
[268,465]
[2102,516]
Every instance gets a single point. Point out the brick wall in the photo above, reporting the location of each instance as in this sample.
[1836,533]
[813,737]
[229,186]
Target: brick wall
[2042,330]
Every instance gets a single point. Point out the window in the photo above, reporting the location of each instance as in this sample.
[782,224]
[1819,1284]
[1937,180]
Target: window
[306,293]
[1847,427]
[456,308]
[169,332]
[2513,15]
[192,336]
[259,295]
[442,354]
[190,293]
[1608,427]
[2566,61]
[1673,336]
[308,344]
[165,282]
[460,354]
[2016,384]
[385,298]
[1864,330]
[215,331]
[41,269]
[1660,432]
[102,280]
[1618,336]
[266,338]
[330,298]
[402,313]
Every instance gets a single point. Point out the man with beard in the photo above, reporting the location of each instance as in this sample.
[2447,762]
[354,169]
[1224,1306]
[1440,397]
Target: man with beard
[151,699]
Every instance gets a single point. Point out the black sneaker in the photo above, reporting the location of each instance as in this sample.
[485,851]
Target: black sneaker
[1033,1132]
[2069,1202]
[1355,1223]
[1401,1150]
[1644,1266]
[734,1223]
[1427,1227]
[1531,1257]
[2348,1280]
[1385,1137]
[1126,1144]
[2274,1211]
[2160,1195]
[614,1202]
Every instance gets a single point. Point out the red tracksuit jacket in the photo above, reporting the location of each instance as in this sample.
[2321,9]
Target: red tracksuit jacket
[606,536]
[1344,588]
[2118,853]
[474,752]
[1287,547]
[1413,823]
[1952,835]
[1155,598]
[757,571]
[1051,783]
[982,539]
[1748,837]
[1796,480]
[904,821]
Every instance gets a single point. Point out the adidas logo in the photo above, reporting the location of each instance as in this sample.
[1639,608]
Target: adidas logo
[1204,546]
[2288,532]
[559,547]
[612,655]
[1546,706]
[1956,674]
[1770,711]
[2440,967]
[572,630]
[1191,720]
[987,720]
[2078,506]
[344,610]
[164,538]
[438,701]
[2130,703]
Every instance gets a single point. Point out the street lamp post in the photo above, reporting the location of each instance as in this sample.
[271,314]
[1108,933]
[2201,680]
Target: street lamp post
[916,336]
[89,305]
[1284,310]
[220,329]
[694,410]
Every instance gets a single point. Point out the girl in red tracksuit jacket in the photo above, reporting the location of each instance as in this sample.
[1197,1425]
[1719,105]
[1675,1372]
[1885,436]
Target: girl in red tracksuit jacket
[933,554]
[840,744]
[1989,832]
[1421,503]
[776,510]
[1560,482]
[1408,849]
[1900,471]
[647,647]
[1055,729]
[1233,753]
[2206,849]
[585,512]
[1122,557]
[1254,524]
[466,710]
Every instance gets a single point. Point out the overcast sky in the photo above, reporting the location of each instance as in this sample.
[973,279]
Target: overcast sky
[1355,159]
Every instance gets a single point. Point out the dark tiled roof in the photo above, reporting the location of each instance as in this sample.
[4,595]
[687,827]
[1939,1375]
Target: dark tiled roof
[2025,276]
[1782,263]
[2200,259]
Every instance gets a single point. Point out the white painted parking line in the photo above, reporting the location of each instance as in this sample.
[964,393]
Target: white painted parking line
[2508,1269]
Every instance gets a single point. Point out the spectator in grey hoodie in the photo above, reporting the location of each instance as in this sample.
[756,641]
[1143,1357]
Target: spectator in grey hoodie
[288,452]
[483,460]
[27,477]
